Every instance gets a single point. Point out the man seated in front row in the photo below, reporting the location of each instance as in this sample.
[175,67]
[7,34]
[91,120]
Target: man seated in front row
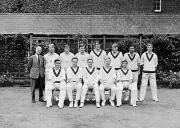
[90,77]
[107,76]
[74,79]
[125,77]
[55,81]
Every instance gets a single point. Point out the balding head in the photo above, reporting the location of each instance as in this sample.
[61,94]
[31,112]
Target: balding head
[38,50]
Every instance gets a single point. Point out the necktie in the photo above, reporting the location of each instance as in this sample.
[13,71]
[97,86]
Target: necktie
[38,60]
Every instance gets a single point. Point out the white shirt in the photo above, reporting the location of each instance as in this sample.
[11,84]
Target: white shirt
[73,74]
[116,59]
[108,76]
[98,58]
[82,59]
[133,60]
[150,62]
[124,75]
[53,72]
[66,59]
[90,75]
[49,60]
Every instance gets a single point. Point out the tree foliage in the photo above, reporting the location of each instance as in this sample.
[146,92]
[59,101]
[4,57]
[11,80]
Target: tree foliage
[14,48]
[167,48]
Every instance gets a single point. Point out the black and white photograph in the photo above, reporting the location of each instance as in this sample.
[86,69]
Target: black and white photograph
[89,63]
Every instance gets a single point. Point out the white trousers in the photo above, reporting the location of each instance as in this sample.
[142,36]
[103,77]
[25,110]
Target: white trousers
[74,86]
[47,70]
[152,79]
[135,80]
[62,87]
[108,85]
[135,76]
[96,90]
[132,87]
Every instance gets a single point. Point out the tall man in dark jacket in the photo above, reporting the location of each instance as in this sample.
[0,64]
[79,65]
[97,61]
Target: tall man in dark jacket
[36,69]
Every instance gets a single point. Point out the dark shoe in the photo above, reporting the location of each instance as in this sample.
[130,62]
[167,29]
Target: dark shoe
[41,99]
[33,101]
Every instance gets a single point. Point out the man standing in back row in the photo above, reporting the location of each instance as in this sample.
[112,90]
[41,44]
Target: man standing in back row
[116,57]
[82,56]
[66,58]
[149,61]
[98,55]
[133,60]
[49,59]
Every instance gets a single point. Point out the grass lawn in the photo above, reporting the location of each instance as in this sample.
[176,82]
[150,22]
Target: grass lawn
[17,111]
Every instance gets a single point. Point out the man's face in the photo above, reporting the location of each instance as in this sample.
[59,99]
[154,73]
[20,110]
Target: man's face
[149,48]
[114,48]
[74,62]
[107,62]
[38,50]
[131,49]
[98,46]
[90,63]
[66,49]
[82,49]
[124,64]
[57,64]
[51,49]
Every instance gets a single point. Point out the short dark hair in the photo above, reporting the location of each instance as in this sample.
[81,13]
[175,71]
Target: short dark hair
[81,44]
[74,58]
[66,46]
[149,44]
[132,45]
[57,60]
[97,42]
[114,44]
[124,61]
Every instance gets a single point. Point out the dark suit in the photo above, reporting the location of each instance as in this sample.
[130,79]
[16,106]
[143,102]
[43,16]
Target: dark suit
[36,69]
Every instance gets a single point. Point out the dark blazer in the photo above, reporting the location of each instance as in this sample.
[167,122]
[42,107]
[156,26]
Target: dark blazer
[34,68]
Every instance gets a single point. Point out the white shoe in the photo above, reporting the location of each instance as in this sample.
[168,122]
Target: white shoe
[140,100]
[118,105]
[111,102]
[76,104]
[103,103]
[47,106]
[60,106]
[156,100]
[81,105]
[71,104]
[134,105]
[137,100]
[97,105]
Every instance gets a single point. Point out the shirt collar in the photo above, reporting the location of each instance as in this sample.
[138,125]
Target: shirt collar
[147,52]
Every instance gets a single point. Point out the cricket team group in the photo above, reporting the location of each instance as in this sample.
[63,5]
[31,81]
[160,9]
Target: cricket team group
[97,71]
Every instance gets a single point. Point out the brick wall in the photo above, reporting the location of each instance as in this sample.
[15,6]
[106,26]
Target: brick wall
[171,6]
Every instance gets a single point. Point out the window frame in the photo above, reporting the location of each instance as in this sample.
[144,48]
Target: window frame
[155,4]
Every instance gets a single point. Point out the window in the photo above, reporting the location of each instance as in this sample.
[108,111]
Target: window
[157,5]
